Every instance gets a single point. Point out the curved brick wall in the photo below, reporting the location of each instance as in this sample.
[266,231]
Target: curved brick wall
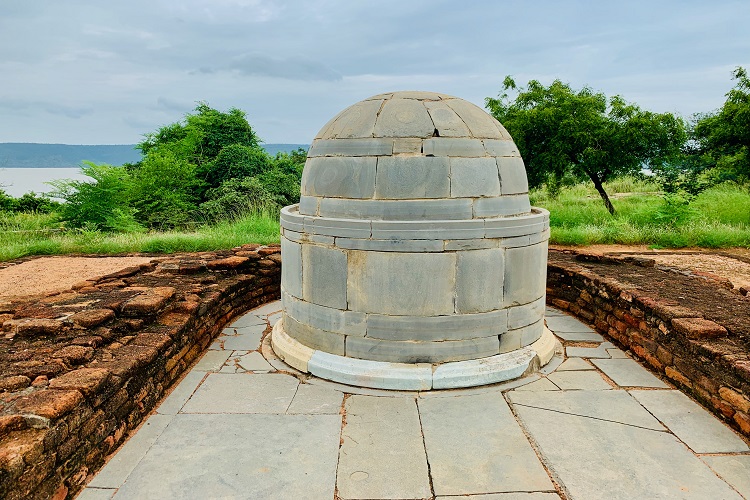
[80,369]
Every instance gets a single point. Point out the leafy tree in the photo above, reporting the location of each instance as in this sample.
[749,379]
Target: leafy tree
[163,190]
[99,205]
[723,137]
[234,161]
[32,202]
[236,197]
[7,202]
[563,133]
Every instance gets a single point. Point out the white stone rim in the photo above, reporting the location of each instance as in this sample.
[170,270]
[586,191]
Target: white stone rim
[413,377]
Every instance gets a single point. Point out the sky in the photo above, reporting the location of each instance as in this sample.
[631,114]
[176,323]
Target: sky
[92,72]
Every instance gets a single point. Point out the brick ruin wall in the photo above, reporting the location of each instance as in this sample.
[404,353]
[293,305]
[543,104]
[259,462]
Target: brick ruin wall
[79,370]
[675,341]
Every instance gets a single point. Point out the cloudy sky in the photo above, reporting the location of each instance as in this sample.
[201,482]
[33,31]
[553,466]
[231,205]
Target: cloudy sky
[92,72]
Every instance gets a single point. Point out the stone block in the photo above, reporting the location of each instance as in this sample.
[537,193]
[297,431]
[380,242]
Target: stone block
[525,274]
[391,245]
[324,276]
[481,125]
[364,373]
[401,283]
[407,145]
[443,209]
[347,228]
[357,120]
[446,121]
[470,244]
[512,173]
[482,371]
[403,118]
[479,280]
[148,302]
[474,177]
[448,146]
[291,268]
[350,147]
[308,205]
[324,318]
[421,352]
[410,177]
[502,206]
[341,176]
[510,341]
[501,147]
[426,230]
[526,314]
[92,317]
[436,328]
[292,352]
[314,338]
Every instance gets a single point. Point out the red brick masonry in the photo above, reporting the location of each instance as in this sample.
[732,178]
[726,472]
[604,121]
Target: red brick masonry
[80,369]
[695,353]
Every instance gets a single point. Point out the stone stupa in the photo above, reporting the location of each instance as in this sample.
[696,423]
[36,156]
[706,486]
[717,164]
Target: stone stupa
[414,260]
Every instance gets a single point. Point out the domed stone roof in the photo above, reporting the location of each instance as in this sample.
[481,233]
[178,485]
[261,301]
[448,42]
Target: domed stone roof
[410,156]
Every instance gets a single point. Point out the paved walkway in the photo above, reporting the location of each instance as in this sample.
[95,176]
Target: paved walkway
[594,425]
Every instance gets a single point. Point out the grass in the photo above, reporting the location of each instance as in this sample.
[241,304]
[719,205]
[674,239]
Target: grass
[717,218]
[31,234]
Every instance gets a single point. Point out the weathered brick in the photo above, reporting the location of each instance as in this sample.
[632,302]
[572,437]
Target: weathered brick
[734,398]
[697,328]
[743,420]
[92,317]
[86,380]
[675,375]
[148,302]
[74,354]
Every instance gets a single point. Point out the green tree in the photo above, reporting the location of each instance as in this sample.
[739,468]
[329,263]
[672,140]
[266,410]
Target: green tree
[563,133]
[723,137]
[99,204]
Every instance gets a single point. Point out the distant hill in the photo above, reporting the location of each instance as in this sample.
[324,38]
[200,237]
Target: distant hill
[34,155]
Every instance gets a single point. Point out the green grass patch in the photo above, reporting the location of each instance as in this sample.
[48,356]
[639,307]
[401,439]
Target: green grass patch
[29,234]
[718,218]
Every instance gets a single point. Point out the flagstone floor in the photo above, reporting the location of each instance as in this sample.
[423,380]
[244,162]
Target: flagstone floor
[594,424]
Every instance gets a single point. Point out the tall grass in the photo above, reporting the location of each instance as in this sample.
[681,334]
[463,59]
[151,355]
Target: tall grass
[717,218]
[26,234]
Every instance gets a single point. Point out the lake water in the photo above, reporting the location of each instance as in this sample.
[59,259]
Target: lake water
[17,181]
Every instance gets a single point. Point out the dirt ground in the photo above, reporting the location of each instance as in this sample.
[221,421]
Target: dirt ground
[732,264]
[45,275]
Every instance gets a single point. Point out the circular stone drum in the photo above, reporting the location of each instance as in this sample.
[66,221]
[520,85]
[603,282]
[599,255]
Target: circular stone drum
[414,260]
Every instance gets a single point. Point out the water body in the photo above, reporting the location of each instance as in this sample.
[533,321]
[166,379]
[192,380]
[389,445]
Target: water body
[17,181]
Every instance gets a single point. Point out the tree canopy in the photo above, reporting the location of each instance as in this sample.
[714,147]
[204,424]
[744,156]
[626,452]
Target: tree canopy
[207,167]
[722,138]
[582,134]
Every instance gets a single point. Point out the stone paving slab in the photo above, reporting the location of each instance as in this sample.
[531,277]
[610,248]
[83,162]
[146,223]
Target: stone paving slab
[243,393]
[248,319]
[96,494]
[697,428]
[316,400]
[243,339]
[596,459]
[542,384]
[575,364]
[626,372]
[243,361]
[382,451]
[507,496]
[579,381]
[240,456]
[612,406]
[474,445]
[212,361]
[180,394]
[569,324]
[734,469]
[587,352]
[117,470]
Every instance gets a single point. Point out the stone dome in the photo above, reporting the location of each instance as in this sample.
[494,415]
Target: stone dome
[413,260]
[414,155]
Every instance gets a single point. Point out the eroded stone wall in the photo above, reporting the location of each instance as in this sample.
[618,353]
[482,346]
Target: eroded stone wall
[81,369]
